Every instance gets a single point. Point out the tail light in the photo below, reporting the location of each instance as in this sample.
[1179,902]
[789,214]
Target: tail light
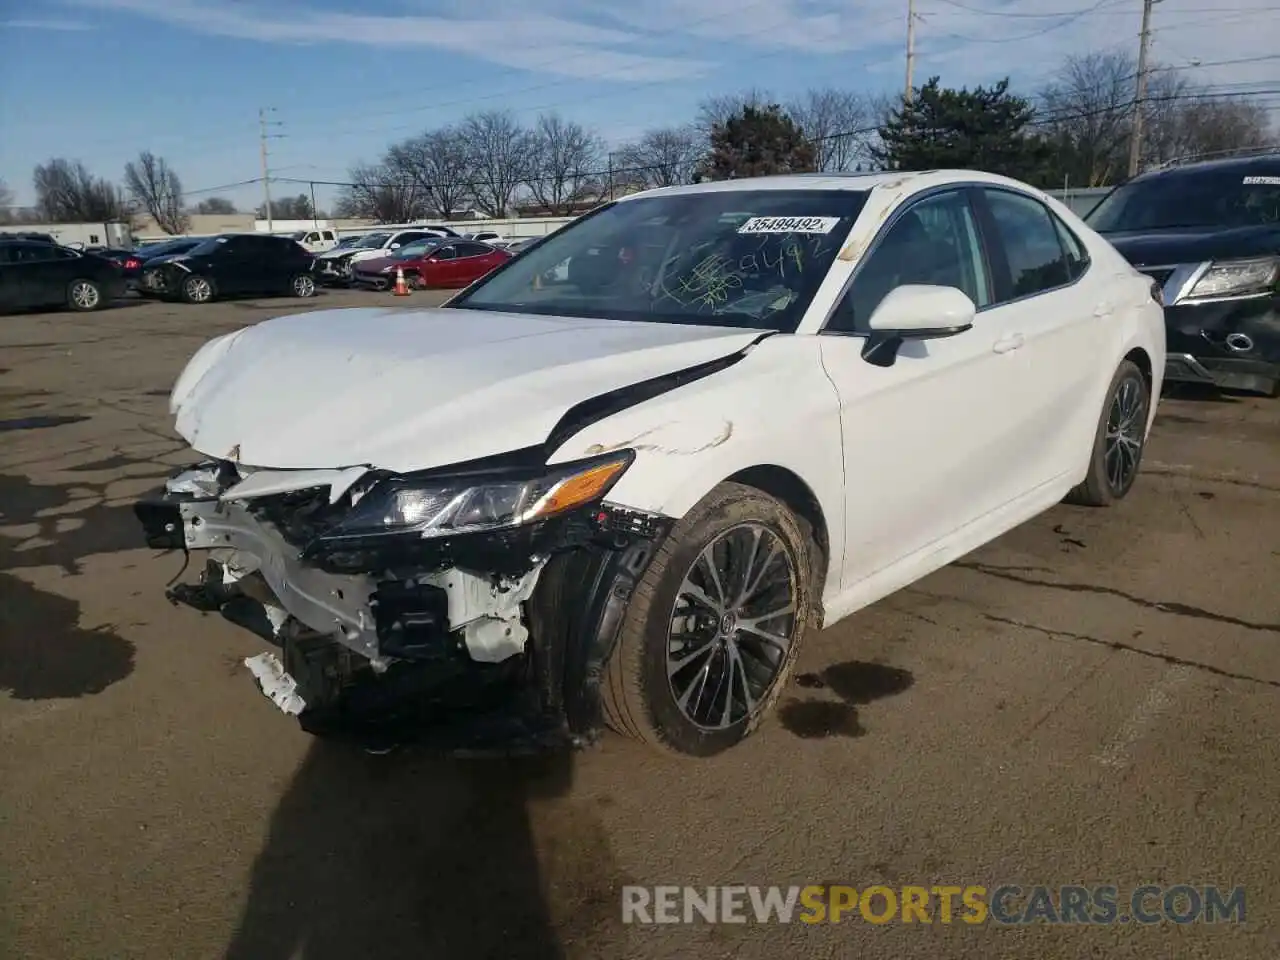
[132,264]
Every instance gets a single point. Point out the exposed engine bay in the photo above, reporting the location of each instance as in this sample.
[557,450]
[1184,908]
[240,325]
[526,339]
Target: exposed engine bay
[488,593]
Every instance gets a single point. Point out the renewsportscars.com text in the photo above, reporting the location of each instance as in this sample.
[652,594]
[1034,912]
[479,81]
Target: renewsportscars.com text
[1006,904]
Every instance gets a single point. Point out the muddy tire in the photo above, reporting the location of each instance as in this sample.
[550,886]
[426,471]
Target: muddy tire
[1118,442]
[725,602]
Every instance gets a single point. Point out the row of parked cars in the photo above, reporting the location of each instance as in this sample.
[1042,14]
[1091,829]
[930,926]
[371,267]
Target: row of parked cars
[35,271]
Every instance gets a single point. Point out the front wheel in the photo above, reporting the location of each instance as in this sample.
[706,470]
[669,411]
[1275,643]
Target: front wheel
[84,295]
[714,626]
[197,289]
[303,285]
[1119,441]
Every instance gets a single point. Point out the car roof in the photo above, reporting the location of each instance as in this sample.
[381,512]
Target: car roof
[907,180]
[1264,165]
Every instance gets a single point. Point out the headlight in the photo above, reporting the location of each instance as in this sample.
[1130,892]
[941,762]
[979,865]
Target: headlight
[448,506]
[1236,278]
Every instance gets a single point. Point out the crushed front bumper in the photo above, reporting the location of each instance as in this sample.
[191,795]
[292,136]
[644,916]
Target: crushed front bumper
[460,657]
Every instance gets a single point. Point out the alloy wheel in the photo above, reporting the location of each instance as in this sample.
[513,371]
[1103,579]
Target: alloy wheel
[198,289]
[85,295]
[303,286]
[732,626]
[1126,428]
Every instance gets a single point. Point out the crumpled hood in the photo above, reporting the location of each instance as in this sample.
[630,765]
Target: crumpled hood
[413,389]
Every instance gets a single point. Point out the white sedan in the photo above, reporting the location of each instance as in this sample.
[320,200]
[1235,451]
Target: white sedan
[621,479]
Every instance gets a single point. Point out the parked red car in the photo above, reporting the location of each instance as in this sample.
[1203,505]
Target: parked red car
[439,263]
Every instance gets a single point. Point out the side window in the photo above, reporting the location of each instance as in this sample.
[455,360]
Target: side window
[33,252]
[312,238]
[62,253]
[935,241]
[1077,256]
[446,253]
[1031,243]
[472,250]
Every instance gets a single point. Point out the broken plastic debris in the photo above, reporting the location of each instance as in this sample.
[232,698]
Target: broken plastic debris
[280,688]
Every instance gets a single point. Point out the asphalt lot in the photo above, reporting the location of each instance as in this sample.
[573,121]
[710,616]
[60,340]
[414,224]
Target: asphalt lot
[1092,699]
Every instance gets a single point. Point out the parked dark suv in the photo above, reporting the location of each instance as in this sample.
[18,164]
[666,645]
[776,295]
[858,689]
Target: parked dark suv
[1209,234]
[231,265]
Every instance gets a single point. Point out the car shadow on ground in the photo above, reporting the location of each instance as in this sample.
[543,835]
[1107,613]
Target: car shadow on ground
[407,855]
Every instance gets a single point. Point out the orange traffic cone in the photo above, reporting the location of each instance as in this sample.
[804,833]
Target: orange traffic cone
[402,288]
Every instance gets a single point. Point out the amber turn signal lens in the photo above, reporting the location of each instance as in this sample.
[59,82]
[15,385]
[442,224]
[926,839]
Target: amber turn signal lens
[579,489]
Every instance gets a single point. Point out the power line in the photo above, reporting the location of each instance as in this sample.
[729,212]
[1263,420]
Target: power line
[1067,20]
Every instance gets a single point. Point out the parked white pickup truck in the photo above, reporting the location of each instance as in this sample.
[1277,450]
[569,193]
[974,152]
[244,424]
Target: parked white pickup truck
[317,241]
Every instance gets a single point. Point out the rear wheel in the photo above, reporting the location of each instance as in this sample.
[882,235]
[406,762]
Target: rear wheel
[197,289]
[714,626]
[1119,441]
[84,295]
[303,285]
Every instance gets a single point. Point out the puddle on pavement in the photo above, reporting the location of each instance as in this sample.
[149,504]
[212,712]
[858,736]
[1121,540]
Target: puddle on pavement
[856,683]
[38,423]
[117,461]
[45,654]
[157,393]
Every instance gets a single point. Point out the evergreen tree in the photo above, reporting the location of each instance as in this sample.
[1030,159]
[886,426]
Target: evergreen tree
[757,142]
[981,129]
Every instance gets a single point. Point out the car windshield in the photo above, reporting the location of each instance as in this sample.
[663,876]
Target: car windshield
[416,249]
[1217,199]
[347,242]
[371,241]
[206,247]
[738,258]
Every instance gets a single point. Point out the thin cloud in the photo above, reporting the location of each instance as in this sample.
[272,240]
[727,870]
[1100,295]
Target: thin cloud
[532,41]
[65,26]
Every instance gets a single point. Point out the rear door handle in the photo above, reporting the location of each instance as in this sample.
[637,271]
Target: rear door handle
[1008,344]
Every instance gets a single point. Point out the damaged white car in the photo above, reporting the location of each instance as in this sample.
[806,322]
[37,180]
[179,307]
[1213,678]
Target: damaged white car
[620,479]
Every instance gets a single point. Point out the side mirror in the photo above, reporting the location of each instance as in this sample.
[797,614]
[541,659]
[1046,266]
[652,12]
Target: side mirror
[395,246]
[915,312]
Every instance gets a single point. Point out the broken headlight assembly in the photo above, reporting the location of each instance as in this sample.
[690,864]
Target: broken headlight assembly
[448,506]
[1236,278]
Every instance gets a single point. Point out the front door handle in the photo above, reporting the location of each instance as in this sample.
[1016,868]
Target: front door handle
[1008,344]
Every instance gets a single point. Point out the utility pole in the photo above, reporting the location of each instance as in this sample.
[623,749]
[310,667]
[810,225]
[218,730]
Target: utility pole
[1140,90]
[263,137]
[911,48]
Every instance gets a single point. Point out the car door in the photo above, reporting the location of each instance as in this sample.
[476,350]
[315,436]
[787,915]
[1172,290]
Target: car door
[230,265]
[279,260]
[472,263]
[11,297]
[441,268]
[39,271]
[1058,314]
[926,441]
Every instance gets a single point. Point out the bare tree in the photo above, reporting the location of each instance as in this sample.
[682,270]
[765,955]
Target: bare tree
[1088,112]
[7,208]
[67,192]
[156,188]
[379,192]
[839,123]
[439,165]
[718,110]
[500,151]
[661,158]
[566,159]
[1220,126]
[217,206]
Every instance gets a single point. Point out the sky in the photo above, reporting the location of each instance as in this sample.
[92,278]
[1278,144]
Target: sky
[100,80]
